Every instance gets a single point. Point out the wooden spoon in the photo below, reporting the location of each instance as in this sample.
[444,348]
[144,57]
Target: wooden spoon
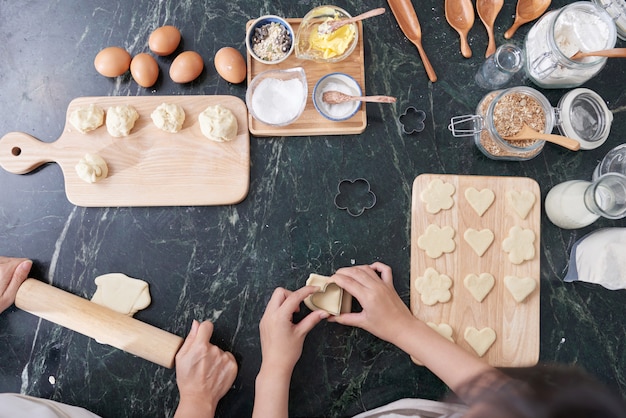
[333,25]
[611,53]
[526,11]
[336,97]
[460,15]
[405,14]
[488,11]
[529,133]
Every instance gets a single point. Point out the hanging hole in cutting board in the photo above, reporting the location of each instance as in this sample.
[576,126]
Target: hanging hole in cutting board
[16,151]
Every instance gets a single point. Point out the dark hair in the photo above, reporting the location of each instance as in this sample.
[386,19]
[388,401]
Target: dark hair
[544,391]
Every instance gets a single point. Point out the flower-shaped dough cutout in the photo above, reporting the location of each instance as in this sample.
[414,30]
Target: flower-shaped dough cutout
[436,241]
[412,120]
[437,196]
[520,244]
[433,287]
[354,196]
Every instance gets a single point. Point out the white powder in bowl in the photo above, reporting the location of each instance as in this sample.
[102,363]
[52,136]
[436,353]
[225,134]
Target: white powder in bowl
[276,102]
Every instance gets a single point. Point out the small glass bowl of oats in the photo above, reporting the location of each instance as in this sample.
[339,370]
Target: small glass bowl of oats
[503,113]
[270,39]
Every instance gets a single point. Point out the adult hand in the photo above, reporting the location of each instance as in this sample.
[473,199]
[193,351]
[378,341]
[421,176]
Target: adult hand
[384,314]
[204,373]
[13,272]
[281,339]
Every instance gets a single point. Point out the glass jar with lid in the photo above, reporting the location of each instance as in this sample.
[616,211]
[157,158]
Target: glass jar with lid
[584,116]
[558,35]
[617,10]
[503,113]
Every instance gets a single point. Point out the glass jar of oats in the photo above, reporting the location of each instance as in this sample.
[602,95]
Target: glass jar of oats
[503,113]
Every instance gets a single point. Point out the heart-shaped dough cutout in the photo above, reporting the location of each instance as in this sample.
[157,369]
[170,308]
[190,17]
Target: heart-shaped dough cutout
[330,298]
[520,287]
[521,202]
[480,341]
[480,201]
[442,329]
[479,286]
[479,240]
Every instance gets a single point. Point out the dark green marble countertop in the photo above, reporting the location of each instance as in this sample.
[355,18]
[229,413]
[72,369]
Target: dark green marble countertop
[222,263]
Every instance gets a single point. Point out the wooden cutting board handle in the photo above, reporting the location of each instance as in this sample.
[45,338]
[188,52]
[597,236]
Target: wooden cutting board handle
[21,153]
[98,322]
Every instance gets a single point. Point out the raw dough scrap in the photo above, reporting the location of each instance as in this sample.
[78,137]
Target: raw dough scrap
[436,241]
[433,287]
[121,293]
[87,118]
[120,120]
[168,117]
[330,298]
[480,241]
[481,200]
[521,203]
[437,196]
[520,244]
[479,286]
[480,340]
[218,123]
[92,168]
[520,287]
[443,329]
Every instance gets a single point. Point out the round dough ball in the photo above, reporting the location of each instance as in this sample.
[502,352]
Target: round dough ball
[120,120]
[92,168]
[218,123]
[87,118]
[168,117]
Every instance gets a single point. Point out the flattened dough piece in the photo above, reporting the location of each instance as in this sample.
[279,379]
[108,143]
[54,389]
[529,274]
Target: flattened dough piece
[437,196]
[479,285]
[87,118]
[480,340]
[480,241]
[520,244]
[433,287]
[481,200]
[330,298]
[521,202]
[436,241]
[443,329]
[520,287]
[121,293]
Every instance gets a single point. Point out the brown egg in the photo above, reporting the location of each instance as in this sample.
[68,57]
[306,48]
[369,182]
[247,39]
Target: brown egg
[112,61]
[144,70]
[186,67]
[164,40]
[230,65]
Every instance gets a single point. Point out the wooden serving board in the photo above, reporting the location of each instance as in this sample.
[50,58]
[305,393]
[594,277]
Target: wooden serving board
[149,167]
[311,122]
[516,324]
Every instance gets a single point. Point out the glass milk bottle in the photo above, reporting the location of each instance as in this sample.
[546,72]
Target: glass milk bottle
[578,203]
[558,35]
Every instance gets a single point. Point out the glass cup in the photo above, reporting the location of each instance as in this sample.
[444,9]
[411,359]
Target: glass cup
[613,162]
[500,67]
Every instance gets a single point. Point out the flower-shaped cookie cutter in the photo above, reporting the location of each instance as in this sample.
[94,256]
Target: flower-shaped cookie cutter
[412,120]
[354,196]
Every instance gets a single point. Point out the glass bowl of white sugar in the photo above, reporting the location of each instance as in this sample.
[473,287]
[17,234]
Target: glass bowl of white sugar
[342,83]
[277,97]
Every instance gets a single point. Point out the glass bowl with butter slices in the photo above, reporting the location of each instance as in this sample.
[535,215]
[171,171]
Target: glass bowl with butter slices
[316,41]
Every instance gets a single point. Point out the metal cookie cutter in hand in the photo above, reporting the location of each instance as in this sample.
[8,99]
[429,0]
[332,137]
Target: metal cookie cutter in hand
[355,196]
[412,120]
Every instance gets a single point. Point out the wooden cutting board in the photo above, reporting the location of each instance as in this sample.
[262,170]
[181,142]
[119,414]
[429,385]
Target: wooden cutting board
[311,122]
[516,324]
[149,167]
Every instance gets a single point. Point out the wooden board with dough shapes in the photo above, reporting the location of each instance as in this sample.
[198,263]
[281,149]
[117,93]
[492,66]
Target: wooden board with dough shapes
[149,167]
[516,324]
[311,122]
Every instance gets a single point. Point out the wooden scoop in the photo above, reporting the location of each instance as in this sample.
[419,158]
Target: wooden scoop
[529,133]
[460,15]
[333,25]
[407,20]
[336,97]
[611,53]
[526,11]
[488,10]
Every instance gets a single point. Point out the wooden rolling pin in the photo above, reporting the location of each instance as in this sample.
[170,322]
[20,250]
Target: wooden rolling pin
[98,322]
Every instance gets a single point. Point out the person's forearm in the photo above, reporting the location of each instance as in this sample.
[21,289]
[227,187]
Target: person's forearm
[271,397]
[190,408]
